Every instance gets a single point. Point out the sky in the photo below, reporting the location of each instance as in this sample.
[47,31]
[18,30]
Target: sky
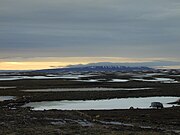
[37,34]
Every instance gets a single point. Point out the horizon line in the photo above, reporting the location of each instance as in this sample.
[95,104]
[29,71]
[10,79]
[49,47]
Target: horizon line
[41,64]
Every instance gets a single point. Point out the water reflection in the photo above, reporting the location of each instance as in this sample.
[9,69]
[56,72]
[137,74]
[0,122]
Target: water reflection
[121,103]
[3,98]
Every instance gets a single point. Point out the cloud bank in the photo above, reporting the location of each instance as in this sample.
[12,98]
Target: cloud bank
[88,28]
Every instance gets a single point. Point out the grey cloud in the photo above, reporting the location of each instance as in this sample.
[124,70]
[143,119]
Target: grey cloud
[140,28]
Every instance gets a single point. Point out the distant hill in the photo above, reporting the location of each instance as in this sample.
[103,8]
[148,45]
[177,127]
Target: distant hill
[14,71]
[152,64]
[96,68]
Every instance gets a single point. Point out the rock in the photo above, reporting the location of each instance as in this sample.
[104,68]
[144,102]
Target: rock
[156,105]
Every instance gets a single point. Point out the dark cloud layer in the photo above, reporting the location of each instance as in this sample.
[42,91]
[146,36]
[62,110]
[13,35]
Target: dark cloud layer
[114,28]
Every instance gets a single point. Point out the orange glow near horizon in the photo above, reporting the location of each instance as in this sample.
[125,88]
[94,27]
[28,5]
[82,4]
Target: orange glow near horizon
[54,62]
[30,65]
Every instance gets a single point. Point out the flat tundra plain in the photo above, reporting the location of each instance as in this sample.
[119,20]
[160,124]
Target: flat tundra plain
[18,89]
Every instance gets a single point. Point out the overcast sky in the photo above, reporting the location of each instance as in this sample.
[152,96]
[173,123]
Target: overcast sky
[90,28]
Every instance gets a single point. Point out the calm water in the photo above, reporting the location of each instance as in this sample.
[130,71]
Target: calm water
[119,80]
[2,98]
[5,78]
[84,89]
[121,103]
[162,80]
[7,87]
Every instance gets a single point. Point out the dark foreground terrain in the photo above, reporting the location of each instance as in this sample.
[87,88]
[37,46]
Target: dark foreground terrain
[15,120]
[113,122]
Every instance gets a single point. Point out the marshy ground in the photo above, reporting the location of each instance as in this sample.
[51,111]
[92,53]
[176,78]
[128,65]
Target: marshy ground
[15,120]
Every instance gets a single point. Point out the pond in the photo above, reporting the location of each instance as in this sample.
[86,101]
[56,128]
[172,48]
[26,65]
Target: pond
[7,87]
[161,80]
[84,89]
[3,98]
[105,104]
[9,78]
